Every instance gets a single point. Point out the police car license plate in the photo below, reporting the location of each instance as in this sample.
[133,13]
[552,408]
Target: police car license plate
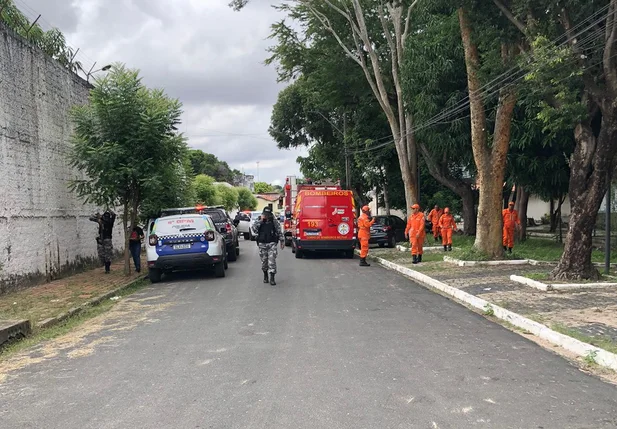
[181,246]
[311,234]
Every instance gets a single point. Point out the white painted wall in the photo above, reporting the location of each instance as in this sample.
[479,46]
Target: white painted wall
[537,208]
[44,228]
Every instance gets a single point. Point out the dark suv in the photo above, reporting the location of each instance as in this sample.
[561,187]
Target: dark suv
[224,224]
[387,231]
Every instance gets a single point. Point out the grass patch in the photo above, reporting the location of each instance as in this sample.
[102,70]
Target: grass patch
[537,276]
[603,342]
[67,325]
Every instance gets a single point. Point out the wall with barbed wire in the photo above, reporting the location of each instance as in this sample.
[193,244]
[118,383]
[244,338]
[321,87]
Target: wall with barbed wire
[44,228]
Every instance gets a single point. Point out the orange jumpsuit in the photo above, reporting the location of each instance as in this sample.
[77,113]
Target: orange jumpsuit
[510,221]
[364,233]
[434,217]
[416,231]
[447,224]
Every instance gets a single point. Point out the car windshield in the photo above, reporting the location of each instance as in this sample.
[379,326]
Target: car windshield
[217,216]
[255,215]
[177,224]
[380,220]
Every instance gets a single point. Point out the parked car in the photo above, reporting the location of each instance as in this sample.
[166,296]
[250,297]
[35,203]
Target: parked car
[387,231]
[254,217]
[184,242]
[226,227]
[243,224]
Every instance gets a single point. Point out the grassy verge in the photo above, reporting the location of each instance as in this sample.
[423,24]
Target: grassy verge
[602,342]
[67,325]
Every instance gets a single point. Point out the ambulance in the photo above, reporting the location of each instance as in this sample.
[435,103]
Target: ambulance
[323,220]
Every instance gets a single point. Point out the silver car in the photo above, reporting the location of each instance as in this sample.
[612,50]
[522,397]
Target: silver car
[185,242]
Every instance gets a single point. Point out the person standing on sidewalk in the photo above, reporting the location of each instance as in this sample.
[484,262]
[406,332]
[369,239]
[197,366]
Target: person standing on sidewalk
[135,246]
[511,223]
[416,233]
[107,223]
[268,232]
[365,221]
[447,224]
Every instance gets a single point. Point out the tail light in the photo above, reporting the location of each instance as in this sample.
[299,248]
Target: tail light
[153,239]
[387,228]
[209,235]
[228,226]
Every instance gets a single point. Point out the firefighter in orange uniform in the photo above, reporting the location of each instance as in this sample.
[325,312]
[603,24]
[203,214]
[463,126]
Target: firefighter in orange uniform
[511,222]
[365,221]
[434,217]
[416,232]
[447,224]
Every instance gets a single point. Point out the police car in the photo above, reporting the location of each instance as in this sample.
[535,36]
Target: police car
[184,242]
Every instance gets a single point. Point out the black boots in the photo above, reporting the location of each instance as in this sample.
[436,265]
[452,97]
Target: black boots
[363,263]
[510,250]
[415,259]
[419,258]
[266,280]
[272,282]
[107,267]
[445,248]
[450,247]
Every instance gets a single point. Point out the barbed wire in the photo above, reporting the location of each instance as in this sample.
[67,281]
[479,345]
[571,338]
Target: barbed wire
[84,64]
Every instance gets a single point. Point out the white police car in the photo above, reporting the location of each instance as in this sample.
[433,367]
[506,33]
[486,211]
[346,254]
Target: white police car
[184,242]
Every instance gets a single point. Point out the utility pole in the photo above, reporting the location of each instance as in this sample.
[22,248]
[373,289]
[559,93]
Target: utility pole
[258,171]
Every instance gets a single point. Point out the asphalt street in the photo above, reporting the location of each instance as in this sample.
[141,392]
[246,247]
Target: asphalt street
[331,346]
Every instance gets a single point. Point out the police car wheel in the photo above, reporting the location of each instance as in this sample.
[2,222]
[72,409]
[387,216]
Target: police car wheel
[219,269]
[154,275]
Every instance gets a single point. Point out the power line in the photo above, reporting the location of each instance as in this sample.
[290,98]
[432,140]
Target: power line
[494,86]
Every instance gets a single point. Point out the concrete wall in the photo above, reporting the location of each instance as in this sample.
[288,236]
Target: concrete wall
[44,228]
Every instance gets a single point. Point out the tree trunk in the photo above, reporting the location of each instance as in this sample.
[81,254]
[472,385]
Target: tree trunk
[522,201]
[490,161]
[386,199]
[592,159]
[469,211]
[552,216]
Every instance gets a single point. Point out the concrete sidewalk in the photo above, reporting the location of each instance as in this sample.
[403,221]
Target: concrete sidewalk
[587,315]
[41,306]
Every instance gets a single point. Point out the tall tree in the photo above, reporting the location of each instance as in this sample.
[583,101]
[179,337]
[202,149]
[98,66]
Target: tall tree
[205,190]
[372,34]
[126,144]
[434,79]
[262,188]
[574,46]
[246,200]
[489,151]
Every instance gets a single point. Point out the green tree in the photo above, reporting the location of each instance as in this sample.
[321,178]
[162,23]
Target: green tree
[52,42]
[208,164]
[205,190]
[126,144]
[577,78]
[262,188]
[246,199]
[227,197]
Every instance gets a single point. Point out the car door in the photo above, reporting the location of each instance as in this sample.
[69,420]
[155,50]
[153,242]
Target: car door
[399,226]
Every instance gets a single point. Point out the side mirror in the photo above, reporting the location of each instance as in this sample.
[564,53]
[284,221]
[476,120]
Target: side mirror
[236,223]
[223,230]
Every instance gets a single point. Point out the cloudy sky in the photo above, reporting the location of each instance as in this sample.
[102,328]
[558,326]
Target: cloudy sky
[199,51]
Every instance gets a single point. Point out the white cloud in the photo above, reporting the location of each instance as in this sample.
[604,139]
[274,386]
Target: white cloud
[199,51]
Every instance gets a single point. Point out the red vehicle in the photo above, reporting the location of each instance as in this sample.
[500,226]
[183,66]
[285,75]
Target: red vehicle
[323,219]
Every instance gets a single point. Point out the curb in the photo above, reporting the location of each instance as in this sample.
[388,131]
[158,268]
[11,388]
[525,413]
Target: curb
[601,356]
[461,263]
[561,286]
[91,303]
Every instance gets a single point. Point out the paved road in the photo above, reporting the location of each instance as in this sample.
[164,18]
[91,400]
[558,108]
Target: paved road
[332,346]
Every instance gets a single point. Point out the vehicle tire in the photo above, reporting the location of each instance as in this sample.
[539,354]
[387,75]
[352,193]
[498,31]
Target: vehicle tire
[237,249]
[299,254]
[232,255]
[225,263]
[219,269]
[287,242]
[247,236]
[154,275]
[382,245]
[349,254]
[392,242]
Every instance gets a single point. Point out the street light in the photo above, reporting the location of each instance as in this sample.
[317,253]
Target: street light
[90,73]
